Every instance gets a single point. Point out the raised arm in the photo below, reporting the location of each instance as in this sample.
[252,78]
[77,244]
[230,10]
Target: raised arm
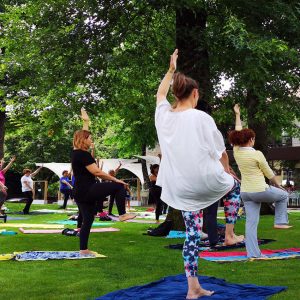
[238,123]
[118,168]
[164,86]
[85,118]
[4,170]
[36,171]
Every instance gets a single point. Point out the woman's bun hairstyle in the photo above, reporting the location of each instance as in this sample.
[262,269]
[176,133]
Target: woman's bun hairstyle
[183,86]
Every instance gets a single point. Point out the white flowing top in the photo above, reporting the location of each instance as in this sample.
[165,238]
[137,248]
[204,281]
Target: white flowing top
[190,173]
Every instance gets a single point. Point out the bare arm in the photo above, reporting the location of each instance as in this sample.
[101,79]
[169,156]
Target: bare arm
[85,118]
[93,169]
[164,86]
[225,162]
[67,183]
[238,123]
[118,168]
[36,171]
[4,170]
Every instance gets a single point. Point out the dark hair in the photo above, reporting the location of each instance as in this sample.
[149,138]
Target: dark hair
[183,86]
[153,167]
[64,171]
[241,137]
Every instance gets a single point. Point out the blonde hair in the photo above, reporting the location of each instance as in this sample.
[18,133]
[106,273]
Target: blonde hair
[79,139]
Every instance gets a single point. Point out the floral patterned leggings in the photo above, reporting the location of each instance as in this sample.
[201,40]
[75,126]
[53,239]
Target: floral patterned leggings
[194,221]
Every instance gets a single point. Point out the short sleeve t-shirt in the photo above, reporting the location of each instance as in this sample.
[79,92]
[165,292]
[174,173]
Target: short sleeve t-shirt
[64,186]
[190,174]
[29,181]
[83,178]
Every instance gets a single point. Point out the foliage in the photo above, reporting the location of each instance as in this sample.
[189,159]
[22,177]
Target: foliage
[110,55]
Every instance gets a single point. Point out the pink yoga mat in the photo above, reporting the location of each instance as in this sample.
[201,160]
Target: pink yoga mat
[45,231]
[242,253]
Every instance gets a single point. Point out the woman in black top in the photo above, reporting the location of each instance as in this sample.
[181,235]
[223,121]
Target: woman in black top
[87,191]
[155,192]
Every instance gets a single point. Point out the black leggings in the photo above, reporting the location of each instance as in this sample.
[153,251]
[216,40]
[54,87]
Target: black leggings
[87,209]
[28,197]
[210,223]
[111,204]
[67,194]
[155,192]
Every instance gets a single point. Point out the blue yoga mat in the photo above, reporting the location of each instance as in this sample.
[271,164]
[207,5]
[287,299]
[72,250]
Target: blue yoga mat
[175,288]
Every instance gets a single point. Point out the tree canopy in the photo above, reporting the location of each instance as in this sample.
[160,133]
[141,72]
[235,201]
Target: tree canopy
[109,57]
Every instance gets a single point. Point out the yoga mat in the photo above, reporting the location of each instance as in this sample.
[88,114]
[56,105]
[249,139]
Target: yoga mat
[9,218]
[204,245]
[52,226]
[46,231]
[242,255]
[175,288]
[71,222]
[135,221]
[50,255]
[175,234]
[54,211]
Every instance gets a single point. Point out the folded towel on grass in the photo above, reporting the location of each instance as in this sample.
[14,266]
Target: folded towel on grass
[175,288]
[242,255]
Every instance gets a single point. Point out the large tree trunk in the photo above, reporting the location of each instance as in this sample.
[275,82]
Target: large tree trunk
[260,128]
[193,61]
[2,132]
[193,56]
[144,168]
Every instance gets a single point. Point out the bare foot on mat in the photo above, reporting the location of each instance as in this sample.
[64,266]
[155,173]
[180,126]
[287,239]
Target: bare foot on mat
[198,293]
[86,252]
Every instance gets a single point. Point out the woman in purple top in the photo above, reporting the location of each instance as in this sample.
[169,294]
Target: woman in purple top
[3,188]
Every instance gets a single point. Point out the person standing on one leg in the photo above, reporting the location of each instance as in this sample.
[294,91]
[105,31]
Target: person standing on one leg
[194,171]
[87,191]
[65,188]
[27,188]
[254,190]
[155,191]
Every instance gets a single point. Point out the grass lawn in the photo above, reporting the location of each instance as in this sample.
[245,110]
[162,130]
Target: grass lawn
[133,259]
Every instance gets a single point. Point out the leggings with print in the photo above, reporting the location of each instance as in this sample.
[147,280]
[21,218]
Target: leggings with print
[193,223]
[232,203]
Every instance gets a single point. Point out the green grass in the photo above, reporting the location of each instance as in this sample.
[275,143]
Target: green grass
[132,259]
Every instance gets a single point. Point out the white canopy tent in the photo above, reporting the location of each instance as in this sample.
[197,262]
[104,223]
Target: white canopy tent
[131,165]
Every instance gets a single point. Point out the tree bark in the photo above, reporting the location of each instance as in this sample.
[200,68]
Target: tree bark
[144,169]
[259,127]
[193,57]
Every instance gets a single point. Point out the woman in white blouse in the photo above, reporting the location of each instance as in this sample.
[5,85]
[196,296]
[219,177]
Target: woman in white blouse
[194,170]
